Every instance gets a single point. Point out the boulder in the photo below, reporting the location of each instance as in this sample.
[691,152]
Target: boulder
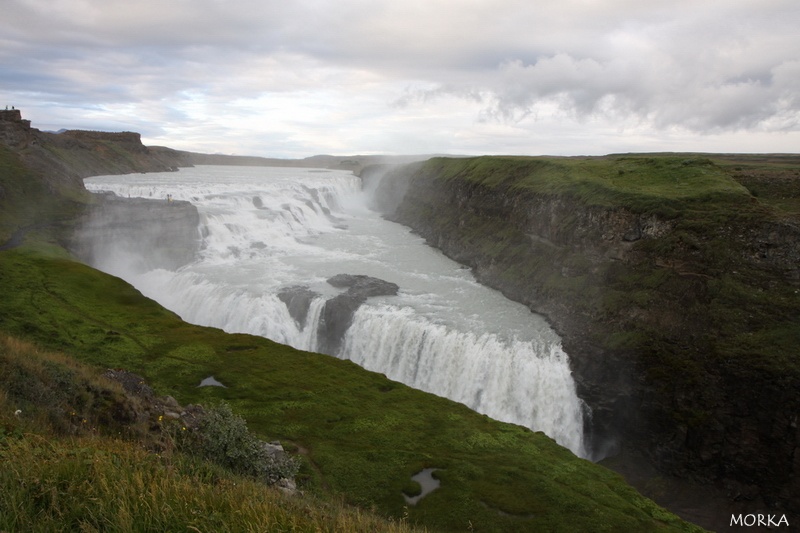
[337,315]
[298,299]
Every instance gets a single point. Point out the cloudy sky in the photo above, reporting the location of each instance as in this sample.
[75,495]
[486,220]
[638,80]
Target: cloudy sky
[286,78]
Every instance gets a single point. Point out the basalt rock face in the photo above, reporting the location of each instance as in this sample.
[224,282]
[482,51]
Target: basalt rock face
[137,234]
[42,186]
[64,159]
[679,328]
[386,185]
[337,314]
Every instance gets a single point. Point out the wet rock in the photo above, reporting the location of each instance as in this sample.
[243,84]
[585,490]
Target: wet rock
[337,315]
[298,299]
[366,286]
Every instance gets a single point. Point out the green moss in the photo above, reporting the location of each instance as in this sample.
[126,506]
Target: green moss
[662,185]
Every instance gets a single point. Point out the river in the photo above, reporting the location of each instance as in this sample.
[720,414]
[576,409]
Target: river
[267,229]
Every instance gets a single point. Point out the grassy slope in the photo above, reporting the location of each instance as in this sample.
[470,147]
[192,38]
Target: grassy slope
[25,200]
[66,469]
[774,180]
[100,484]
[362,435]
[660,184]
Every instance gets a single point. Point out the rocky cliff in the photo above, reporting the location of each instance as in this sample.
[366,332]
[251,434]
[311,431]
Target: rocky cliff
[674,288]
[136,235]
[66,158]
[41,189]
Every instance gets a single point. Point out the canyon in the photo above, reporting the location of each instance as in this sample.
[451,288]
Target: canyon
[678,309]
[679,313]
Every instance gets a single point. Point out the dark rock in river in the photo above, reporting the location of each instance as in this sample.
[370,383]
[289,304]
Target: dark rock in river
[337,315]
[365,286]
[298,299]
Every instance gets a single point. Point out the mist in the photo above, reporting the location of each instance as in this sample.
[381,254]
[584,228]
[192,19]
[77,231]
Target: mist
[129,236]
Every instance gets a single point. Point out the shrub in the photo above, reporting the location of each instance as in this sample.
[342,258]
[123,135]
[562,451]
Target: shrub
[223,437]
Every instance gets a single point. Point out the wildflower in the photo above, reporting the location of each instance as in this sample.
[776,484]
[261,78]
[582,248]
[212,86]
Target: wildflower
[18,412]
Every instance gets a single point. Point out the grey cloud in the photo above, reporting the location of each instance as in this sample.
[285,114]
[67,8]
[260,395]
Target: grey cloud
[413,95]
[692,96]
[699,65]
[712,70]
[114,23]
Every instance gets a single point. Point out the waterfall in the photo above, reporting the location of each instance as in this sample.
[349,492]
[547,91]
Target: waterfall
[528,383]
[267,231]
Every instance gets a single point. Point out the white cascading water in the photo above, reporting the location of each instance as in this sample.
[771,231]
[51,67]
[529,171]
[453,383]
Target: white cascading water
[266,229]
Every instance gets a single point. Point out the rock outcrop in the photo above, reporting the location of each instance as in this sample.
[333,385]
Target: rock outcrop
[143,233]
[64,159]
[337,315]
[156,413]
[45,192]
[298,300]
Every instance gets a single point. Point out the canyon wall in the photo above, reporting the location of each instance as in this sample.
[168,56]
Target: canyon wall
[65,158]
[41,190]
[679,313]
[136,235]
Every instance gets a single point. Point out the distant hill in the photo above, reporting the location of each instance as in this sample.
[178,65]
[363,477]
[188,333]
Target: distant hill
[354,163]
